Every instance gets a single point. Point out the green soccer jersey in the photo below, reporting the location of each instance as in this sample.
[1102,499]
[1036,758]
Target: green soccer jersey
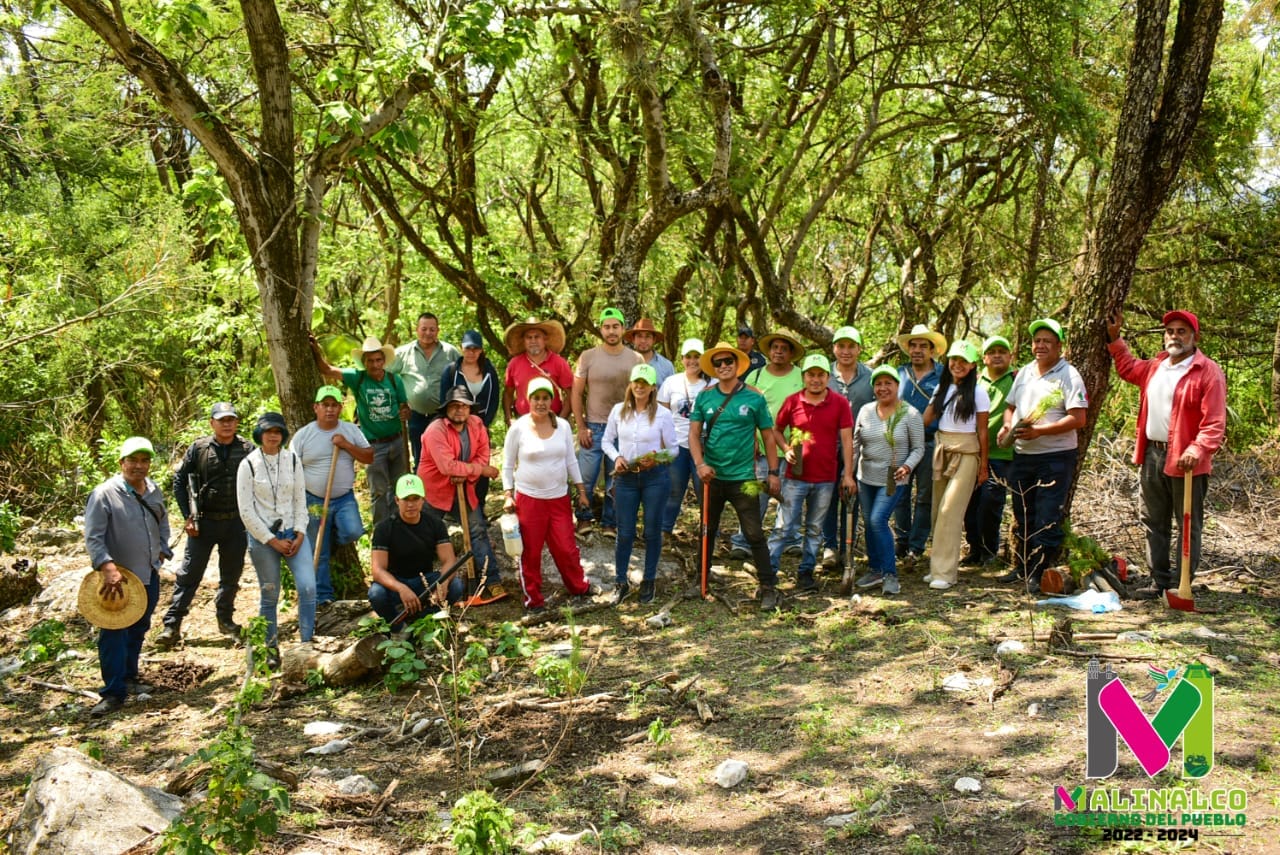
[730,447]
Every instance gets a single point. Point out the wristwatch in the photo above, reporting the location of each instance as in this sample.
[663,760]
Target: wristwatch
[777,471]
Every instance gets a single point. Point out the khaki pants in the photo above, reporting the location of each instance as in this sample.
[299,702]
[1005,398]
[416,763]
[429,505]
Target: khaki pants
[955,474]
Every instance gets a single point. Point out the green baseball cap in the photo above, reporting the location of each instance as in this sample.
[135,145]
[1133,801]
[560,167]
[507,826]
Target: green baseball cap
[885,371]
[1047,324]
[612,314]
[966,350]
[329,392]
[815,360]
[135,444]
[997,341]
[851,333]
[645,372]
[540,384]
[409,485]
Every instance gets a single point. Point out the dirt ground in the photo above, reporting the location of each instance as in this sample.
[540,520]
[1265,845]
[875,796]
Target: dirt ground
[838,707]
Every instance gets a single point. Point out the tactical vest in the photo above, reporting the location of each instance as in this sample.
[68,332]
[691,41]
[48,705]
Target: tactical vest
[217,479]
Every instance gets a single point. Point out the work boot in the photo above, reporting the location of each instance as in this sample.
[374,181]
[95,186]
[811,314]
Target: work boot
[108,704]
[806,584]
[229,628]
[620,592]
[648,589]
[769,599]
[168,638]
[133,686]
[1014,575]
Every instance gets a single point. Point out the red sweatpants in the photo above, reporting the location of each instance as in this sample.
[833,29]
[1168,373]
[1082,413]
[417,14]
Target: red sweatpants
[549,522]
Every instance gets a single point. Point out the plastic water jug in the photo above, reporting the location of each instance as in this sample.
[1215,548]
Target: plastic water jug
[511,540]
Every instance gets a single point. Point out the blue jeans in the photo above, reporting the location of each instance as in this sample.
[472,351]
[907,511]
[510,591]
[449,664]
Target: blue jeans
[266,561]
[986,511]
[682,471]
[912,520]
[386,602]
[481,547]
[738,540]
[120,649]
[591,462]
[877,507]
[650,489]
[807,501]
[228,535]
[387,467]
[342,526]
[1040,483]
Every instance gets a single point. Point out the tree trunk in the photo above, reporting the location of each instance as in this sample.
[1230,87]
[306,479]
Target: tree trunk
[1275,372]
[1158,118]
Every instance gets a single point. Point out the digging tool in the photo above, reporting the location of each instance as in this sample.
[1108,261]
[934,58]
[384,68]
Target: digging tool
[1183,601]
[706,498]
[466,536]
[846,582]
[324,510]
[408,457]
[445,575]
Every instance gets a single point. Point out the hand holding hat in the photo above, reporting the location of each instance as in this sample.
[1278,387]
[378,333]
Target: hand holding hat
[112,598]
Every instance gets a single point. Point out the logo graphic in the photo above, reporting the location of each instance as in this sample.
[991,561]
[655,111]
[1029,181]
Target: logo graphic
[1186,714]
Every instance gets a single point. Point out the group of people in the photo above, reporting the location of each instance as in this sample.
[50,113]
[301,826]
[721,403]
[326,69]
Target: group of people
[930,447]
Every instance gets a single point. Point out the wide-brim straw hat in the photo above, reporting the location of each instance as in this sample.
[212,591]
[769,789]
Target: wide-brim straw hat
[117,613]
[766,341]
[937,339]
[704,361]
[514,335]
[373,345]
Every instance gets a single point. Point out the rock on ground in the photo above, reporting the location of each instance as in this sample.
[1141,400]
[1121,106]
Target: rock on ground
[76,805]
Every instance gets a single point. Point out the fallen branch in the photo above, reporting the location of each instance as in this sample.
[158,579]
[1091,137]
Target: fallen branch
[514,704]
[71,690]
[1116,657]
[386,797]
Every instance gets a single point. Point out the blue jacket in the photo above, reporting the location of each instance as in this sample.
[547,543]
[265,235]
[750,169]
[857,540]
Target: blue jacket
[918,393]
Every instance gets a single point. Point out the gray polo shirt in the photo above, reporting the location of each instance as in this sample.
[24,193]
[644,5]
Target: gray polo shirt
[1030,387]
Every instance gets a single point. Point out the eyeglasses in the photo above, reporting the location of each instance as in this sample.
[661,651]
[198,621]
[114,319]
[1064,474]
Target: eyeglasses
[723,361]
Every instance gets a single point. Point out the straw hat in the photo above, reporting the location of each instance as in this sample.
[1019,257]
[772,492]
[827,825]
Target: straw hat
[797,349]
[704,362]
[514,335]
[372,345]
[937,339]
[116,613]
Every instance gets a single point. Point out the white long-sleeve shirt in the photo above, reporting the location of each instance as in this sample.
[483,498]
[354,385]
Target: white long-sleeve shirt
[270,489]
[537,467]
[635,435]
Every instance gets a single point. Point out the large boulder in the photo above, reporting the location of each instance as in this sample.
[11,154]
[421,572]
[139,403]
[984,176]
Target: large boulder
[76,805]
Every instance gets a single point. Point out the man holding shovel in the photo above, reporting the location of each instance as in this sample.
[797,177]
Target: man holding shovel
[328,449]
[1182,418]
[455,454]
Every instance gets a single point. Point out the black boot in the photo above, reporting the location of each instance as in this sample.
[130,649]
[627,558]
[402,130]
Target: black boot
[620,592]
[648,589]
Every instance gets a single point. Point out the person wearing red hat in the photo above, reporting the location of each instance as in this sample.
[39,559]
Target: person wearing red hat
[1182,419]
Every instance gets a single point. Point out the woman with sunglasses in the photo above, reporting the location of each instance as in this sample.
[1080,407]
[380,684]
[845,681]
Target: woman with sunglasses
[537,456]
[677,393]
[637,433]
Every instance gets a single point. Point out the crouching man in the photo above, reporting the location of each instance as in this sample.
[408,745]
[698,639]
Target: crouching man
[405,547]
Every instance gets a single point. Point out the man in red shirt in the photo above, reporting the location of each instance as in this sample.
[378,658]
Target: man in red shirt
[535,348]
[820,422]
[1182,419]
[455,450]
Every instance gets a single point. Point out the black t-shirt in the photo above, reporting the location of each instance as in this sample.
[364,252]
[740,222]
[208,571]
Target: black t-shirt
[411,549]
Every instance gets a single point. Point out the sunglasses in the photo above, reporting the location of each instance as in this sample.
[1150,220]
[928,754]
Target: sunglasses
[722,361]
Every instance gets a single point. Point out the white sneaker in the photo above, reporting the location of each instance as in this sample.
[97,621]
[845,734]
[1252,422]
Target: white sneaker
[829,558]
[939,584]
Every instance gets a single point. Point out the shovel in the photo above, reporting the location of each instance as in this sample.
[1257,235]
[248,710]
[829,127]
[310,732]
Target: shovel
[846,582]
[324,510]
[706,493]
[1183,600]
[466,537]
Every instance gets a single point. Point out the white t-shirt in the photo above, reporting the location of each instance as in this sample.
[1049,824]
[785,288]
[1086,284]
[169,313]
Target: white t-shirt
[678,393]
[537,467]
[314,448]
[948,420]
[1160,388]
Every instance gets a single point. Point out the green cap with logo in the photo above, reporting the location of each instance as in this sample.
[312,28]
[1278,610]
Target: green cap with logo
[409,485]
[850,333]
[885,371]
[329,392]
[612,314]
[645,372]
[815,361]
[135,444]
[1047,324]
[997,341]
[966,350]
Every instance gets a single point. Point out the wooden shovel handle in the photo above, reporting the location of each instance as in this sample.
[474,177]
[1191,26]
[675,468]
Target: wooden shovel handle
[324,510]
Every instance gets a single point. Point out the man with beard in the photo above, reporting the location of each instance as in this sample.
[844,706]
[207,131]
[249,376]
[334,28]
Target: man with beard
[642,337]
[599,382]
[535,348]
[1182,418]
[918,380]
[381,407]
[420,364]
[455,450]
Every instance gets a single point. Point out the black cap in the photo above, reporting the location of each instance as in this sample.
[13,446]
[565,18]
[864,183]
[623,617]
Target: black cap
[746,330]
[266,421]
[471,338]
[222,410]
